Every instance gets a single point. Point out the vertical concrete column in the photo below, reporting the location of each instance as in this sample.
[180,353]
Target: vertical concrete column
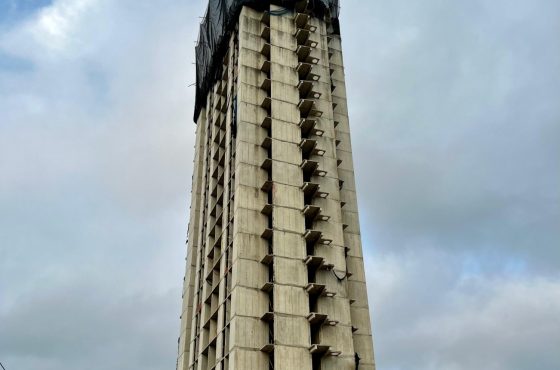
[248,333]
[226,86]
[339,336]
[291,304]
[193,244]
[204,307]
[357,292]
[201,233]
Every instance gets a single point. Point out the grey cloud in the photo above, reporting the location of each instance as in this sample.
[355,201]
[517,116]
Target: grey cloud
[458,102]
[96,145]
[431,314]
[456,136]
[90,326]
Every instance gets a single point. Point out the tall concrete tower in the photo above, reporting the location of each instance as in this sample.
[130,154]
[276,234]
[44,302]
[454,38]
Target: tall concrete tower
[275,275]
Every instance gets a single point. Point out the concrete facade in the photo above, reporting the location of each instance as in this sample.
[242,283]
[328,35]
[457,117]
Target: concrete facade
[275,275]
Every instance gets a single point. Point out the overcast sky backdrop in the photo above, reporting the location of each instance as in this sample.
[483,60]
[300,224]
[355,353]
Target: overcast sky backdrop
[455,112]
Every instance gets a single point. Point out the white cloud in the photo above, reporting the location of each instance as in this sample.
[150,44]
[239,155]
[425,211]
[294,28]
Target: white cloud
[53,32]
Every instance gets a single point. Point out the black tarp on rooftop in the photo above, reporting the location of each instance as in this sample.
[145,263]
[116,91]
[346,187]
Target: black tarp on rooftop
[220,20]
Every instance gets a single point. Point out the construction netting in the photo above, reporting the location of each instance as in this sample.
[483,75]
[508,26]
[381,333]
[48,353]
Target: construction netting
[217,26]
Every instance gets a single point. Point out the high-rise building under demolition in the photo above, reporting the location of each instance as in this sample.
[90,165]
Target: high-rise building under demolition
[275,275]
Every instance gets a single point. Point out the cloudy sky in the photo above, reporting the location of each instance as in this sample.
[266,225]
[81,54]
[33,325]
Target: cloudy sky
[455,111]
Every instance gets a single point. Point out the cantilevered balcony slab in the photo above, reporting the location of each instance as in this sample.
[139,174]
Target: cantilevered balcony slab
[265,67]
[312,189]
[268,259]
[302,6]
[319,349]
[220,196]
[216,267]
[316,318]
[267,122]
[308,109]
[301,19]
[305,106]
[219,85]
[301,35]
[311,168]
[267,164]
[305,72]
[217,242]
[265,19]
[266,103]
[265,50]
[267,234]
[315,289]
[306,91]
[305,87]
[304,54]
[316,237]
[266,143]
[213,340]
[215,173]
[309,127]
[268,348]
[219,218]
[267,186]
[214,191]
[268,287]
[265,34]
[304,69]
[210,253]
[309,147]
[317,263]
[323,350]
[311,211]
[266,85]
[267,209]
[312,236]
[268,317]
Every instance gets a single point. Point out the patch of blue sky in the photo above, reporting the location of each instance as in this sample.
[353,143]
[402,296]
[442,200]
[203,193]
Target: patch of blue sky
[12,11]
[10,63]
[476,265]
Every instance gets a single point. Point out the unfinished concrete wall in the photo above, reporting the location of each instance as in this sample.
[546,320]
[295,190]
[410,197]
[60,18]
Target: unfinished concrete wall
[275,276]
